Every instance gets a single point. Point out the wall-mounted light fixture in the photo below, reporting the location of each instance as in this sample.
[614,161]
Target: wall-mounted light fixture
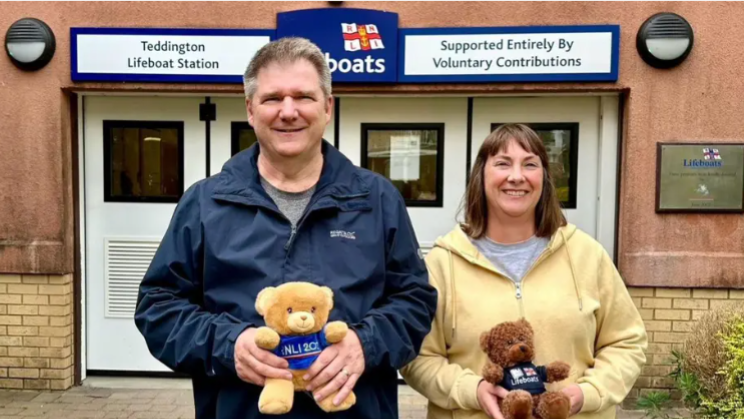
[664,40]
[30,44]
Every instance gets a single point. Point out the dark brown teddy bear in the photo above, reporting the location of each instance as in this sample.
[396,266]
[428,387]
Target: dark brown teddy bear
[510,348]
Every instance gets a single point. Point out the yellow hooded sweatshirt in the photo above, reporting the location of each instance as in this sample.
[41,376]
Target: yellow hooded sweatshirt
[574,299]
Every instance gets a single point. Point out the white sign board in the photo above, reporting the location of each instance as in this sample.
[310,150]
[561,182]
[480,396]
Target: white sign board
[405,155]
[190,55]
[523,56]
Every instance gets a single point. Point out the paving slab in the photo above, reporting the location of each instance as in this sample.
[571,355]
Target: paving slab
[105,398]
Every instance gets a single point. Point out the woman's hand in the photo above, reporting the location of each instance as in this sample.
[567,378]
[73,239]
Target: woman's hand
[577,398]
[488,396]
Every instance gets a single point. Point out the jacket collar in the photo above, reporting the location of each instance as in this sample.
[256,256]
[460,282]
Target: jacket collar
[240,182]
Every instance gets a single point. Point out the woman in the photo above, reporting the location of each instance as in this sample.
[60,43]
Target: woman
[515,256]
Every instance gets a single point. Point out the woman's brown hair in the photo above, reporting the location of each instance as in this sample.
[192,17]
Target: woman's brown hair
[548,214]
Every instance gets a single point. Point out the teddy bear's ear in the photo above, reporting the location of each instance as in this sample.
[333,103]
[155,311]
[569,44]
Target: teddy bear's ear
[524,323]
[485,341]
[264,299]
[329,294]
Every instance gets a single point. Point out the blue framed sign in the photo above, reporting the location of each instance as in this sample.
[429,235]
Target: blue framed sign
[359,44]
[509,54]
[164,55]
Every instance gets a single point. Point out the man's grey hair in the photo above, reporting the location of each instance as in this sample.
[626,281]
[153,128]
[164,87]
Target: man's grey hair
[285,51]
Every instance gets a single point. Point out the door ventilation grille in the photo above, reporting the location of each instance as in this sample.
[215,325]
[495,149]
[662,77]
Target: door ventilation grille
[125,266]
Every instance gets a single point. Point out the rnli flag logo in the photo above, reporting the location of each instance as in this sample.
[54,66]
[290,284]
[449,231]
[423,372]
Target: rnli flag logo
[711,154]
[516,374]
[361,37]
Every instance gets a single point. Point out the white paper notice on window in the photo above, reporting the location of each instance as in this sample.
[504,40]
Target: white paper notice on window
[405,155]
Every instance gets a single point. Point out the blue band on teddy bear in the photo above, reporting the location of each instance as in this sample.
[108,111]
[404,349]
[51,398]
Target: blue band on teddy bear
[301,351]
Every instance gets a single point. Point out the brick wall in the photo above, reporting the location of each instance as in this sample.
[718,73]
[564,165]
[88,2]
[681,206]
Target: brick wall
[36,332]
[669,314]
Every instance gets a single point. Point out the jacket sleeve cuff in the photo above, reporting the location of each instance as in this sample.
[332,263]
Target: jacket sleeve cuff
[368,344]
[228,358]
[467,392]
[592,399]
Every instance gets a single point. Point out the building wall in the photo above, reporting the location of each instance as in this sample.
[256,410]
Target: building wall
[669,314]
[36,332]
[697,101]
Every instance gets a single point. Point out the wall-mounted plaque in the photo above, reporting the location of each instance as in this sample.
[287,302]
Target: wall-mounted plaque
[700,177]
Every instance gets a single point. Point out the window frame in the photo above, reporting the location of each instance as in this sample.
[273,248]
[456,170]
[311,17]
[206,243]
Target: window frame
[573,154]
[423,126]
[108,126]
[235,127]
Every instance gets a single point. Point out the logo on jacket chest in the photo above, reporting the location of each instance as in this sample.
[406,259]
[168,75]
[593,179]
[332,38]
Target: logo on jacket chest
[351,235]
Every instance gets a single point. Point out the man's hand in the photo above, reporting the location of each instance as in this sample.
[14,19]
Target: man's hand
[337,368]
[488,396]
[253,364]
[577,398]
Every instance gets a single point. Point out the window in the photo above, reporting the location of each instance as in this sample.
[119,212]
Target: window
[410,155]
[562,143]
[143,161]
[243,136]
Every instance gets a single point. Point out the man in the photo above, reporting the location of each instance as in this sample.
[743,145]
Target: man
[291,208]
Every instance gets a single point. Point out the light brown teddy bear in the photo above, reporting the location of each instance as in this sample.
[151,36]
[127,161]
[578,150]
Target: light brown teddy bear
[510,348]
[296,314]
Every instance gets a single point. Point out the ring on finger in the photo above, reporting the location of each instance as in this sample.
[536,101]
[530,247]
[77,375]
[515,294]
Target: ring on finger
[346,372]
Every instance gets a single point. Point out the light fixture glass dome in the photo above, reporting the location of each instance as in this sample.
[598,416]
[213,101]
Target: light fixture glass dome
[26,52]
[667,48]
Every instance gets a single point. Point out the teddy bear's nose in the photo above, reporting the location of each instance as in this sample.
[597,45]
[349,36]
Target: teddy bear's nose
[523,348]
[303,317]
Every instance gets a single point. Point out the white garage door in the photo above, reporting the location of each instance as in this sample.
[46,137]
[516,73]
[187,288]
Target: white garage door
[140,153]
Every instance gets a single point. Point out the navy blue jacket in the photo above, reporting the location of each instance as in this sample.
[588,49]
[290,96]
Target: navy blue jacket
[227,240]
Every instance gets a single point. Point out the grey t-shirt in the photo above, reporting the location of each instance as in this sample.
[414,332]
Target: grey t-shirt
[291,204]
[515,259]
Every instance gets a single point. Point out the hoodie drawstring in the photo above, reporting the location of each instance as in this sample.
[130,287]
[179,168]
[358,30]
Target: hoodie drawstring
[573,271]
[453,297]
